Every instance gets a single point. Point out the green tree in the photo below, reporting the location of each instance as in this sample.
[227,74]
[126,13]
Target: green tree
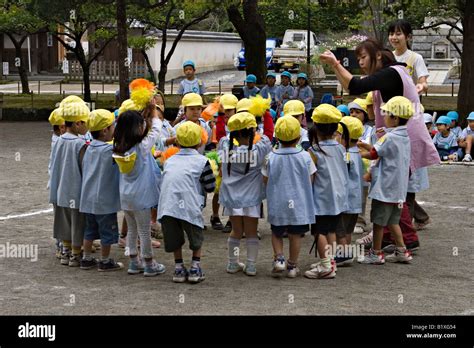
[174,15]
[17,22]
[71,20]
[144,43]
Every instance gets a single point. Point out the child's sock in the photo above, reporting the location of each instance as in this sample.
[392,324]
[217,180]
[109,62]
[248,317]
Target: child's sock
[104,259]
[76,251]
[66,247]
[326,262]
[233,248]
[252,249]
[178,263]
[87,256]
[149,262]
[196,262]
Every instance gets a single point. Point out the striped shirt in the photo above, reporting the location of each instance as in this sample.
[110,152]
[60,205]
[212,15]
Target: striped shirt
[207,179]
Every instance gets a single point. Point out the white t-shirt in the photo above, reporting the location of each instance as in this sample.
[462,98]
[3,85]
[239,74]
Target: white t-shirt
[415,64]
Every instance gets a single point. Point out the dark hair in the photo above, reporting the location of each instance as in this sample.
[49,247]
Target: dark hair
[306,83]
[243,133]
[56,128]
[403,26]
[68,123]
[95,134]
[347,139]
[128,131]
[323,129]
[373,47]
[402,121]
[287,143]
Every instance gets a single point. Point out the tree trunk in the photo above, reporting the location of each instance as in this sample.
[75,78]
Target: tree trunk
[251,29]
[149,67]
[162,76]
[122,43]
[25,88]
[466,96]
[87,82]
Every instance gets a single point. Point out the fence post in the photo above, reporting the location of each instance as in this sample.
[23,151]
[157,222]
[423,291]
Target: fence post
[96,97]
[103,85]
[452,89]
[82,89]
[39,82]
[171,86]
[64,94]
[18,87]
[31,99]
[219,86]
[60,87]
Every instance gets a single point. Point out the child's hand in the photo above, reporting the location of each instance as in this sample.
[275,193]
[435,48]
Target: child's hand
[157,154]
[367,177]
[364,146]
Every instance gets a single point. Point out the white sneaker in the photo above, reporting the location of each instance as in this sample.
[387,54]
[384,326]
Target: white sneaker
[235,267]
[293,273]
[358,230]
[320,272]
[279,265]
[317,264]
[400,255]
[467,158]
[366,240]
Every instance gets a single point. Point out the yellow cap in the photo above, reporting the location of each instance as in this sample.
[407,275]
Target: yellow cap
[100,119]
[128,105]
[400,107]
[369,100]
[293,108]
[55,118]
[244,105]
[359,104]
[326,113]
[74,112]
[287,128]
[228,101]
[354,126]
[241,120]
[339,128]
[192,99]
[70,99]
[125,163]
[188,134]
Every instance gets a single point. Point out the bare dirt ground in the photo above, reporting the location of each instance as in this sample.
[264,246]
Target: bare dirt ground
[439,280]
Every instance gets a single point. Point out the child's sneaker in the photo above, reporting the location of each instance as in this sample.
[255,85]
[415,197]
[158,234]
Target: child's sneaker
[389,249]
[333,264]
[216,223]
[196,275]
[234,267]
[343,261]
[366,241]
[358,229]
[180,275]
[250,269]
[110,265]
[65,259]
[279,266]
[400,255]
[135,267]
[293,272]
[88,264]
[227,228]
[154,269]
[321,272]
[373,258]
[467,158]
[74,261]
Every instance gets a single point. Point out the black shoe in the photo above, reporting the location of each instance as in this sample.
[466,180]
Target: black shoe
[413,246]
[88,264]
[227,228]
[110,265]
[216,223]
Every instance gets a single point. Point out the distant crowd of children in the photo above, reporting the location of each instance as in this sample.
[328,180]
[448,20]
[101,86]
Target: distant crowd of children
[313,180]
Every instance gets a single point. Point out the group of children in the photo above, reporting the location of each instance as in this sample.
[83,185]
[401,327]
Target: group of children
[313,179]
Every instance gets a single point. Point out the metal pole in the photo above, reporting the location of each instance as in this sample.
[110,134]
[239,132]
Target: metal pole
[18,87]
[39,82]
[171,86]
[103,86]
[452,89]
[60,87]
[308,40]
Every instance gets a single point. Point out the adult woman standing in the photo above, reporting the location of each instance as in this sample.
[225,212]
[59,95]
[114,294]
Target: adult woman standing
[387,79]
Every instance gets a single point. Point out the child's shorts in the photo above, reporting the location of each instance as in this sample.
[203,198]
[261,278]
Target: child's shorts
[255,212]
[347,224]
[326,224]
[103,227]
[384,214]
[69,225]
[290,229]
[173,234]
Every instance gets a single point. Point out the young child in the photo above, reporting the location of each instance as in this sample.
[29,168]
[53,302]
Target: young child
[288,173]
[66,178]
[285,90]
[228,108]
[270,90]
[191,84]
[139,185]
[329,188]
[296,109]
[186,176]
[250,90]
[467,138]
[304,93]
[454,126]
[59,128]
[445,141]
[241,191]
[193,103]
[100,198]
[389,181]
[355,188]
